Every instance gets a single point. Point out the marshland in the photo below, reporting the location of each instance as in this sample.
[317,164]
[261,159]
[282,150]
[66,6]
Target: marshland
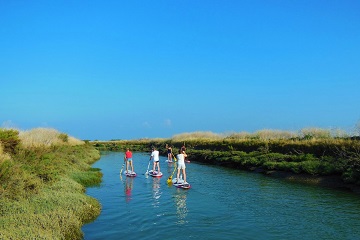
[322,156]
[44,173]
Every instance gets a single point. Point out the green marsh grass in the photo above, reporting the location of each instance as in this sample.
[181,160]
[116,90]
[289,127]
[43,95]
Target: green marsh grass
[312,151]
[42,190]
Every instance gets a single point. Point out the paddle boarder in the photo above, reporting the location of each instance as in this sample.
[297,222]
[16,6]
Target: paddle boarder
[129,160]
[181,165]
[155,157]
[169,153]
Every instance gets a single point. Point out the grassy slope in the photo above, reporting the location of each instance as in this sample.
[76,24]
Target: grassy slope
[42,192]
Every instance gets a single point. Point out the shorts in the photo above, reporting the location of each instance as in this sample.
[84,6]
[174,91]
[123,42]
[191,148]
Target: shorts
[129,159]
[181,166]
[155,161]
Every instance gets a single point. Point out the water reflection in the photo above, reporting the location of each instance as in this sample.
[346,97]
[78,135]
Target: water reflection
[156,192]
[181,208]
[129,184]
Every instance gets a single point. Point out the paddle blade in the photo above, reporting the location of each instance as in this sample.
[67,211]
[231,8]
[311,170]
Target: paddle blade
[169,180]
[174,158]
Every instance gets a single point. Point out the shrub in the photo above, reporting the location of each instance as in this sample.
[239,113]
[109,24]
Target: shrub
[9,138]
[64,137]
[311,167]
[270,165]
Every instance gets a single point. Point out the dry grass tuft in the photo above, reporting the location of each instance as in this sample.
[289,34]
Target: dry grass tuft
[46,137]
[197,135]
[274,134]
[315,133]
[265,134]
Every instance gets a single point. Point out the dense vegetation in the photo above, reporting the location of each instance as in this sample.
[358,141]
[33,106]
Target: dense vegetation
[43,174]
[313,152]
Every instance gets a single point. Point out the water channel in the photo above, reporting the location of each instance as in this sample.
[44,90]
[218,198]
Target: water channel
[222,203]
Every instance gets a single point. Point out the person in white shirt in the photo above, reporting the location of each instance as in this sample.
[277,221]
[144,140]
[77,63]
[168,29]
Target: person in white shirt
[156,159]
[181,165]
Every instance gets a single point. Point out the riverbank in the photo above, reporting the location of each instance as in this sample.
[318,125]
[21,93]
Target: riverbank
[43,175]
[333,181]
[334,170]
[326,161]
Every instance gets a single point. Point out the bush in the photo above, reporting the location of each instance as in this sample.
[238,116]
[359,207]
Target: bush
[63,137]
[9,139]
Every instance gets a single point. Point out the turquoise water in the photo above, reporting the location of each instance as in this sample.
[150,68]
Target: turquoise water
[221,204]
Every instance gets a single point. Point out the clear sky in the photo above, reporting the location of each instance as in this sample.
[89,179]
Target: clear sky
[144,69]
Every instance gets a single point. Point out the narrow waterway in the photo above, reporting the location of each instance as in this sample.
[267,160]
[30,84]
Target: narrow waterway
[221,204]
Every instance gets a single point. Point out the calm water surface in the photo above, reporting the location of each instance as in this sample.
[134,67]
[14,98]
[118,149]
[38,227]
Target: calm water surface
[221,204]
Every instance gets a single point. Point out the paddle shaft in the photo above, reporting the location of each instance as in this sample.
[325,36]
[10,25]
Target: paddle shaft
[170,178]
[147,171]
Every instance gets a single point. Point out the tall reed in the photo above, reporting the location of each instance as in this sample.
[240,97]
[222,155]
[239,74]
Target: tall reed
[45,137]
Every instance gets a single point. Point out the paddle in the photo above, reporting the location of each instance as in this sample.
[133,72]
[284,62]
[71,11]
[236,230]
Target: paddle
[174,157]
[122,167]
[169,180]
[147,171]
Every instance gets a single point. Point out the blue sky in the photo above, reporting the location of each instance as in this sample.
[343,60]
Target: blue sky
[145,69]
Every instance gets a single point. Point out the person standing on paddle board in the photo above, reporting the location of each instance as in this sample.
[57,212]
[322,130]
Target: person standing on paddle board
[155,156]
[183,148]
[169,152]
[181,165]
[128,159]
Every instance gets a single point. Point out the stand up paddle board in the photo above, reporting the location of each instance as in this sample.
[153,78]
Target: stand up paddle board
[130,173]
[181,184]
[155,173]
[168,161]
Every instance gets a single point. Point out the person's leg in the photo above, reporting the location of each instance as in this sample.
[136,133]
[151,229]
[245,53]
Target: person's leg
[127,165]
[184,174]
[178,175]
[132,166]
[158,164]
[154,165]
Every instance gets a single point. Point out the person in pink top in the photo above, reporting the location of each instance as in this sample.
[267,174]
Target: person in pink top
[129,160]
